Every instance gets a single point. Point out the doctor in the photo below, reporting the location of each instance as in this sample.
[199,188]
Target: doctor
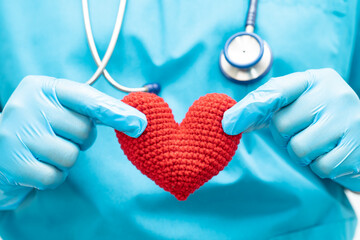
[63,175]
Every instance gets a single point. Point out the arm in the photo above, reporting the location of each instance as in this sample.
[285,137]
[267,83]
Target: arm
[44,125]
[315,115]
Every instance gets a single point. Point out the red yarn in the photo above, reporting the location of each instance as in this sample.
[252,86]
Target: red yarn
[180,158]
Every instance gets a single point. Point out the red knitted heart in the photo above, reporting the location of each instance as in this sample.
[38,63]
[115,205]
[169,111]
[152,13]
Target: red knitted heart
[180,158]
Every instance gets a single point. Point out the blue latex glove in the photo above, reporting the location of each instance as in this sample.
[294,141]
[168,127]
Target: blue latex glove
[315,114]
[43,126]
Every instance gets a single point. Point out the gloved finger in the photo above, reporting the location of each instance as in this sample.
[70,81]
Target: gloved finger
[73,126]
[90,102]
[38,175]
[55,151]
[17,194]
[256,109]
[293,118]
[313,142]
[350,181]
[280,139]
[287,122]
[332,165]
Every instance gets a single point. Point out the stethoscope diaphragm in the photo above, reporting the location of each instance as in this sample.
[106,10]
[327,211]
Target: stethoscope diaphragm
[245,57]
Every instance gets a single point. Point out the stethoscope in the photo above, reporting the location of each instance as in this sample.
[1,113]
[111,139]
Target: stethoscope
[245,57]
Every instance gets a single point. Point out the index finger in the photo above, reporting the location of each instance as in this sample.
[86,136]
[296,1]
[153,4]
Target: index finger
[103,108]
[255,109]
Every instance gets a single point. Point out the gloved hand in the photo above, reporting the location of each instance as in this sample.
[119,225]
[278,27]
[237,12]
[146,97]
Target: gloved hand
[315,114]
[43,126]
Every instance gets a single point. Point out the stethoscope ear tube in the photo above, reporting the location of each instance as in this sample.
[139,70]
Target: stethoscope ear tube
[153,87]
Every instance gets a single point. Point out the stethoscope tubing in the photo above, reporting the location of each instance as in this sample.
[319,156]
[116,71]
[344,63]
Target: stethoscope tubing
[154,87]
[109,51]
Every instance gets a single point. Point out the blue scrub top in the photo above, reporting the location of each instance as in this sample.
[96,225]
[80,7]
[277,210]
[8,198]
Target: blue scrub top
[261,194]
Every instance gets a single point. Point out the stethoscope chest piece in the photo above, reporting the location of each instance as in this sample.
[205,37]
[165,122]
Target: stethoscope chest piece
[245,57]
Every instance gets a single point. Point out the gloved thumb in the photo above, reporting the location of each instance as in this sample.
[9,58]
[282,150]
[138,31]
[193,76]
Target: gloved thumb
[255,110]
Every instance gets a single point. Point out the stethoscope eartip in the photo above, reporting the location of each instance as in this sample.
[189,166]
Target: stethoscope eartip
[153,88]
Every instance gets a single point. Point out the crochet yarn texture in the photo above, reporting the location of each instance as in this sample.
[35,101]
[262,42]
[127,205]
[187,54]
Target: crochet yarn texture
[180,158]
